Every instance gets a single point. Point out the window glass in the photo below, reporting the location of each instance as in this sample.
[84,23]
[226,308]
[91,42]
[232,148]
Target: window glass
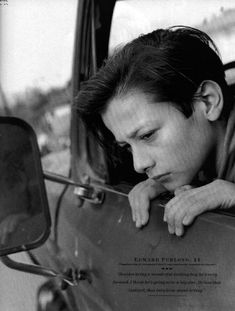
[216,17]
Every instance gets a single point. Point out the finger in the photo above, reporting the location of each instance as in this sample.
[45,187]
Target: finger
[182,209]
[188,220]
[136,202]
[133,213]
[179,226]
[193,208]
[144,215]
[132,205]
[138,206]
[171,229]
[140,197]
[179,230]
[168,217]
[134,197]
[170,210]
[142,211]
[174,214]
[196,209]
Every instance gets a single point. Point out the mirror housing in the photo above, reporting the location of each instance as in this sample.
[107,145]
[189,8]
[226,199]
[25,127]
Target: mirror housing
[24,213]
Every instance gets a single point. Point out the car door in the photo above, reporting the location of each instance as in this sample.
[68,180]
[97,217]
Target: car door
[122,267]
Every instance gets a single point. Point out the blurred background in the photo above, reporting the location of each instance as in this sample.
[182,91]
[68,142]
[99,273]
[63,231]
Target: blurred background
[36,63]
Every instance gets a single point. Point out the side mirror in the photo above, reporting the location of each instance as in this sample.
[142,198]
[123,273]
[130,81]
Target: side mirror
[24,213]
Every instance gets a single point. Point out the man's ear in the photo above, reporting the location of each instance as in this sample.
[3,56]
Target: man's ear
[212,98]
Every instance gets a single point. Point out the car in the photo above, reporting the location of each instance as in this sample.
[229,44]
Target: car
[87,245]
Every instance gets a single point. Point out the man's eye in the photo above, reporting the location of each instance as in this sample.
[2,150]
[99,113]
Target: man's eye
[147,136]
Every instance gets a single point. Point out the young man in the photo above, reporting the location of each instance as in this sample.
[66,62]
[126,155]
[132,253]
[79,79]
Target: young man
[164,97]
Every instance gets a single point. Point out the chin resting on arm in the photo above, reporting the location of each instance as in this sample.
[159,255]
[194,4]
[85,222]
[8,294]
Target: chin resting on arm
[187,204]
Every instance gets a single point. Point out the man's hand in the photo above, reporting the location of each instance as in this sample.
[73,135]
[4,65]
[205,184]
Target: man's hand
[190,202]
[140,197]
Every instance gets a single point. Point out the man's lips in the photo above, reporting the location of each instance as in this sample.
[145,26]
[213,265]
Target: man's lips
[160,176]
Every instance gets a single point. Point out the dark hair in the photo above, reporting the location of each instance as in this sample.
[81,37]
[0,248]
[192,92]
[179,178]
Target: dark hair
[168,63]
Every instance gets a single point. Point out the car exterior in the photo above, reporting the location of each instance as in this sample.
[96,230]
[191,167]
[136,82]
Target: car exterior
[120,267]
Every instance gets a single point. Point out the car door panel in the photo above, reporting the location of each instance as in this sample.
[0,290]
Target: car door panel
[136,269]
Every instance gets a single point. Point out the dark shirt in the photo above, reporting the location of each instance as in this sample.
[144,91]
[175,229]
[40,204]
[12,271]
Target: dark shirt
[227,168]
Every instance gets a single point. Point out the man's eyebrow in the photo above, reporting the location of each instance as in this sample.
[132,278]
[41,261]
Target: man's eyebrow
[133,134]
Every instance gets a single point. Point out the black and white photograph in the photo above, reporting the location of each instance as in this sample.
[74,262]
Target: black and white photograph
[117,158]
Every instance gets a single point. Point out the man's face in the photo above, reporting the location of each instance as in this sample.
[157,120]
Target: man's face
[164,144]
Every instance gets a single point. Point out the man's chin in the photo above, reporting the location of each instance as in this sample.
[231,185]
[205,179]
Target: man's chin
[173,184]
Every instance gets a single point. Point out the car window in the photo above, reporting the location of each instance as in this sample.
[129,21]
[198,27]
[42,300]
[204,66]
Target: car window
[132,18]
[216,17]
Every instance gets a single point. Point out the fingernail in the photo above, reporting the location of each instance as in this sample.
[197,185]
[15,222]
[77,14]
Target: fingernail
[185,221]
[178,232]
[171,230]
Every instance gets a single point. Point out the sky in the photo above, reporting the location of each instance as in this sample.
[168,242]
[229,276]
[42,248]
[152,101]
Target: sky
[36,43]
[36,36]
[146,15]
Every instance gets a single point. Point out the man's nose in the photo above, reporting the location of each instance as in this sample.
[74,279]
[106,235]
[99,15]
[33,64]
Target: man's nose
[141,160]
